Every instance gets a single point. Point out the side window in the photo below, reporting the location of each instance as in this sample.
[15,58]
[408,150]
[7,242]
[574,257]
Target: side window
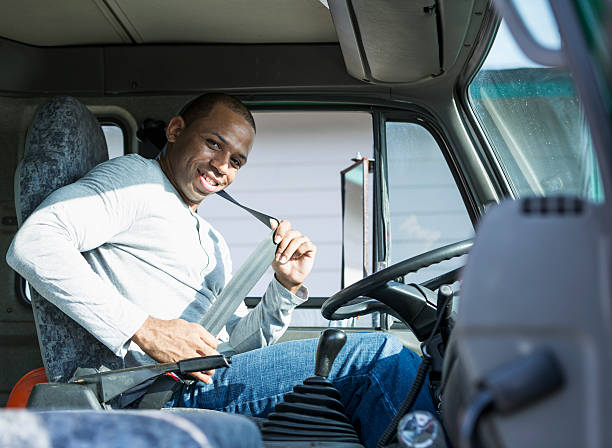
[426,209]
[293,172]
[115,140]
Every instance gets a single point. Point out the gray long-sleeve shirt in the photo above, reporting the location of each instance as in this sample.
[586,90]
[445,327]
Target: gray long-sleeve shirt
[120,245]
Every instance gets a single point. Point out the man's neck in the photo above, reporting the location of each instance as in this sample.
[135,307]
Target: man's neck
[167,170]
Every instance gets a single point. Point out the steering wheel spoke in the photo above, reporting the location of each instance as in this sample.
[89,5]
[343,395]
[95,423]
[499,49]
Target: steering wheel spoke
[362,306]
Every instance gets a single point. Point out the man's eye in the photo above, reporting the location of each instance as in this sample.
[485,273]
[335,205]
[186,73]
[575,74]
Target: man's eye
[236,163]
[213,144]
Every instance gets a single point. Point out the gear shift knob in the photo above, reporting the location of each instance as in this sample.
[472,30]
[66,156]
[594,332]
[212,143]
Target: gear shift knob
[331,342]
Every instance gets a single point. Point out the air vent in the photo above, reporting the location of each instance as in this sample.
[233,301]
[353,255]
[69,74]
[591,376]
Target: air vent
[559,205]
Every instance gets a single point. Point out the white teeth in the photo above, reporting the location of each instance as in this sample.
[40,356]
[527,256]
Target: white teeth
[210,181]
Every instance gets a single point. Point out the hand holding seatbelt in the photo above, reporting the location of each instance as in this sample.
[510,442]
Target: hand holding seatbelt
[294,256]
[290,274]
[175,340]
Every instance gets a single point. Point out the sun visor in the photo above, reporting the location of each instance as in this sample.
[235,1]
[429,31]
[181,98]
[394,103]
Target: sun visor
[395,41]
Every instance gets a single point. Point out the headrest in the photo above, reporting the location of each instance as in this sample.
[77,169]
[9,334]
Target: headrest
[63,143]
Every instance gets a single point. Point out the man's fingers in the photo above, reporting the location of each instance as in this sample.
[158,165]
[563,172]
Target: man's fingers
[292,248]
[284,244]
[205,350]
[210,342]
[202,377]
[290,235]
[282,229]
[308,247]
[174,340]
[205,336]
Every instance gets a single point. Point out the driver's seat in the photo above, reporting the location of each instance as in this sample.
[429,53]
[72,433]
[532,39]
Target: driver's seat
[64,141]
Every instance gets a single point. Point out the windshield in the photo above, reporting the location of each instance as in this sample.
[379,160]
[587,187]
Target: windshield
[534,121]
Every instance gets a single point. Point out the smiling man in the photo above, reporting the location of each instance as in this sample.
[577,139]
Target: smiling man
[207,145]
[123,252]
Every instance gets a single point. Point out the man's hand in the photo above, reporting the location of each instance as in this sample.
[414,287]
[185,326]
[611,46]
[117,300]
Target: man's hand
[174,340]
[294,256]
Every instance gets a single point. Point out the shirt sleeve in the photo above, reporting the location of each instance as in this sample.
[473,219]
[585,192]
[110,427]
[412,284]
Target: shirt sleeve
[267,322]
[77,218]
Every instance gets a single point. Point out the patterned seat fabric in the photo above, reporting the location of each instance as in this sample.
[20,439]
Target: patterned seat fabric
[64,142]
[135,429]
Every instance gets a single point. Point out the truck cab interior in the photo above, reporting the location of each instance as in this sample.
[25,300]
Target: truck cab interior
[449,159]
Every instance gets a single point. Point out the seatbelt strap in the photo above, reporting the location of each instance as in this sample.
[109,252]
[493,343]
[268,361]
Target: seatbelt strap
[225,305]
[244,280]
[262,217]
[159,393]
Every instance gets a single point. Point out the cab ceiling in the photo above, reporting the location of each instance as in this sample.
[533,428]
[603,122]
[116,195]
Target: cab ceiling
[405,49]
[104,22]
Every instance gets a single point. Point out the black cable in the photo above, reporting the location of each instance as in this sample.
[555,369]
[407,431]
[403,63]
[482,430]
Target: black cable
[417,384]
[409,401]
[471,417]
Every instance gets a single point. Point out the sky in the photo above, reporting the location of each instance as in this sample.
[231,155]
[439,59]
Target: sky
[539,20]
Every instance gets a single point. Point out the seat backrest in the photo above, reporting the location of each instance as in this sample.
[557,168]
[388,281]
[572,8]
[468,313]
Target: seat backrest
[63,143]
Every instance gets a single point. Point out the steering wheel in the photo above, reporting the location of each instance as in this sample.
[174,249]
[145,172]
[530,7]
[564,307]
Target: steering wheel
[356,299]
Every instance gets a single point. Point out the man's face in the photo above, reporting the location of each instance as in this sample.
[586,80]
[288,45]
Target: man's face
[205,157]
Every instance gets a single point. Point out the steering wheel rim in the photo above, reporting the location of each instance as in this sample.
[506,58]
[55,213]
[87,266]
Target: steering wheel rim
[362,287]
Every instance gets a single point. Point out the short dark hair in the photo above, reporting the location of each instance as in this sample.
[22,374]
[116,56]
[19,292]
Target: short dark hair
[202,105]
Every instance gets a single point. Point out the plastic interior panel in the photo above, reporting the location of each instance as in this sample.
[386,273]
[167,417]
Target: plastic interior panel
[456,20]
[396,41]
[537,276]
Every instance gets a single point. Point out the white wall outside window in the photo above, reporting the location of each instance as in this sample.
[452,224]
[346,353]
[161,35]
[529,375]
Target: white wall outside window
[293,173]
[114,140]
[426,208]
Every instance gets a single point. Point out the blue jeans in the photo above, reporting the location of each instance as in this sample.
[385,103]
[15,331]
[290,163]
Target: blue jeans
[373,373]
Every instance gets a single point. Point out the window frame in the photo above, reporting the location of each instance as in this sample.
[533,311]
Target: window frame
[380,116]
[314,106]
[20,291]
[441,138]
[495,169]
[111,120]
[443,142]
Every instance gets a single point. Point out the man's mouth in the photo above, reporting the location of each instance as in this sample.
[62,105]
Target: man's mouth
[208,182]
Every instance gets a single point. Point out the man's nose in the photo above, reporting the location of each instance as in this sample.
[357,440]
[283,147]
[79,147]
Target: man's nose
[221,162]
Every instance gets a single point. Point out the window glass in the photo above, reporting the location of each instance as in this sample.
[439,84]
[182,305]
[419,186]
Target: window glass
[534,120]
[115,141]
[425,205]
[293,173]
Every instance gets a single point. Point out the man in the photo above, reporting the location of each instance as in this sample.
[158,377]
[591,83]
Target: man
[123,252]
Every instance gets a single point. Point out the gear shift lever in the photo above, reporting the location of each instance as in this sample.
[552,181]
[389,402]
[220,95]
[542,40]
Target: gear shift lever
[331,342]
[314,410]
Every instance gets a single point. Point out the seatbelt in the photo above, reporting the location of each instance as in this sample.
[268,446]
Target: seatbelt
[247,276]
[244,280]
[262,217]
[159,393]
[225,305]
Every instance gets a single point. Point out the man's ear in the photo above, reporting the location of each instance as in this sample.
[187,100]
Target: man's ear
[175,128]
